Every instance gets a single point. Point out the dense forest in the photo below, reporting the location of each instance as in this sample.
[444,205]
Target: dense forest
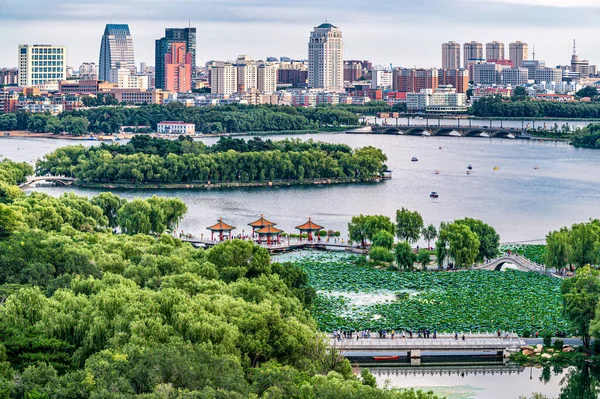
[230,118]
[495,106]
[89,314]
[147,160]
[589,138]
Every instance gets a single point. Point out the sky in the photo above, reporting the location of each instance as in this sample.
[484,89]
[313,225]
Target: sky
[400,32]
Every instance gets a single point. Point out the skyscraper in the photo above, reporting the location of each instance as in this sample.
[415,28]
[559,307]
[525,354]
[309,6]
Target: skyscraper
[163,46]
[473,51]
[580,66]
[41,63]
[116,48]
[326,58]
[518,52]
[178,69]
[451,55]
[494,51]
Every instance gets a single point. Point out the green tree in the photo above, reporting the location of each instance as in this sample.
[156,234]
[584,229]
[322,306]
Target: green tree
[557,250]
[380,254]
[110,205]
[489,240]
[423,257]
[519,91]
[429,233]
[364,227]
[8,122]
[588,91]
[134,217]
[75,126]
[408,225]
[580,295]
[583,241]
[405,257]
[383,239]
[463,244]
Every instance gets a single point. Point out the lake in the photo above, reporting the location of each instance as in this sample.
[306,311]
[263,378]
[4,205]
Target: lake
[538,187]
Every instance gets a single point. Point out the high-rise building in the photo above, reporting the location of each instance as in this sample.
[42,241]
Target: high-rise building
[9,76]
[116,47]
[178,69]
[246,74]
[494,51]
[582,67]
[163,46]
[457,78]
[352,71]
[40,63]
[223,78]
[451,55]
[548,75]
[326,58]
[382,79]
[487,73]
[414,80]
[532,66]
[267,78]
[472,51]
[515,76]
[518,52]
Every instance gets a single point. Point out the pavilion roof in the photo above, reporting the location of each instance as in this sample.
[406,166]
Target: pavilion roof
[221,226]
[309,226]
[269,230]
[262,222]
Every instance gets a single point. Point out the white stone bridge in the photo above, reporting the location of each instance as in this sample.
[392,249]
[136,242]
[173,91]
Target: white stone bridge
[523,264]
[60,180]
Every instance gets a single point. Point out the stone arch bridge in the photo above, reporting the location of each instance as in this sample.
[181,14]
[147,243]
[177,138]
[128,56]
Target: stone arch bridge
[520,262]
[60,180]
[448,131]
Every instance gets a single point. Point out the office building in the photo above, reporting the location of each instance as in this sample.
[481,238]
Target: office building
[532,66]
[163,46]
[267,78]
[326,58]
[414,80]
[116,48]
[175,128]
[548,75]
[457,78]
[40,63]
[88,71]
[472,51]
[178,69]
[494,51]
[444,99]
[518,52]
[223,78]
[515,76]
[451,55]
[487,73]
[381,79]
[297,78]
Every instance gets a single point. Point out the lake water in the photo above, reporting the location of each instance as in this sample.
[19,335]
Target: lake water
[523,203]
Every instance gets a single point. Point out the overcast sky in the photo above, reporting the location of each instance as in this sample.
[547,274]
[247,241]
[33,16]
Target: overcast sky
[402,32]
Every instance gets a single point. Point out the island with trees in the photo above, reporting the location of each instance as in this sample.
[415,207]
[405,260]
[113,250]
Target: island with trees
[185,163]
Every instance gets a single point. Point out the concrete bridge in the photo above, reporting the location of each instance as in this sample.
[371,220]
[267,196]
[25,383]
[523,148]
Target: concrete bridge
[60,180]
[453,369]
[523,264]
[448,131]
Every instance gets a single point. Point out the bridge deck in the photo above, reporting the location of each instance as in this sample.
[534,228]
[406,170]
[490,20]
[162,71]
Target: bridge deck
[439,344]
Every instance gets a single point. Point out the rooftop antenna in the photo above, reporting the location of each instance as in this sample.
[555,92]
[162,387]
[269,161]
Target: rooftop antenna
[574,48]
[534,53]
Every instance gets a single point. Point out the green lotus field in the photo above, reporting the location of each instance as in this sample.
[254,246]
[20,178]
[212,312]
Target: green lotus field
[353,297]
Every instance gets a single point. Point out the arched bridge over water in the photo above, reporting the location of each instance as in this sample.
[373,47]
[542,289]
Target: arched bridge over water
[60,180]
[448,131]
[523,264]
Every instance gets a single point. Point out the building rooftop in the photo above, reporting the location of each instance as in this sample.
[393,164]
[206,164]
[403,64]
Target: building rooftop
[326,25]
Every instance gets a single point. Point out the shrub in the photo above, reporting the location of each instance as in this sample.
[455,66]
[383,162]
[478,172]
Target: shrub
[526,334]
[558,344]
[547,339]
[380,254]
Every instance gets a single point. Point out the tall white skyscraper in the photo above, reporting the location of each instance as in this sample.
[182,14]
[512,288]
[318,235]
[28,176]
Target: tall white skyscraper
[116,47]
[326,58]
[40,63]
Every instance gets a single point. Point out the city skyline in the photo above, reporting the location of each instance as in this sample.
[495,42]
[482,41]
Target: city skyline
[239,27]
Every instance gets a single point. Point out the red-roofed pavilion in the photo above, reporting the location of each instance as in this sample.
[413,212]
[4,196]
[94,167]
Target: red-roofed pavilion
[271,233]
[221,227]
[310,228]
[260,223]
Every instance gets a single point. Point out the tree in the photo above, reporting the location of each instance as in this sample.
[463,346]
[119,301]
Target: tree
[583,240]
[464,244]
[588,91]
[405,257]
[10,220]
[134,217]
[429,233]
[519,92]
[383,239]
[75,126]
[408,225]
[364,227]
[581,294]
[379,254]
[423,257]
[489,240]
[110,205]
[557,250]
[8,122]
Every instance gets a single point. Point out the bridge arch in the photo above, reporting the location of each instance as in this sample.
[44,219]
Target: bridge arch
[476,133]
[417,131]
[61,181]
[448,132]
[505,134]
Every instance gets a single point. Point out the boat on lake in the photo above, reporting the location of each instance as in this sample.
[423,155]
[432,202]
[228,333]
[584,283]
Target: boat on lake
[434,195]
[496,168]
[385,358]
[470,167]
[415,159]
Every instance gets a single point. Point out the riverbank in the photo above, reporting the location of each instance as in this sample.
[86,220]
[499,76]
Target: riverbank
[198,186]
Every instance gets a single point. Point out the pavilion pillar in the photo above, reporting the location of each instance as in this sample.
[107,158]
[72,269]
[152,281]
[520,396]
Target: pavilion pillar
[300,235]
[212,235]
[221,235]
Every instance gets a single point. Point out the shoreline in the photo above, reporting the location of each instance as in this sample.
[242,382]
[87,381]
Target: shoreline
[201,186]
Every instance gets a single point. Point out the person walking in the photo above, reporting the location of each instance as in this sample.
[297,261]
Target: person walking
[456,335]
[393,333]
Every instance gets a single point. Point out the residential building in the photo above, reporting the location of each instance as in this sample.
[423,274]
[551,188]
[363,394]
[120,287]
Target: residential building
[40,107]
[532,66]
[518,52]
[139,96]
[116,48]
[487,74]
[494,51]
[267,78]
[326,58]
[547,75]
[480,92]
[294,77]
[451,55]
[246,70]
[223,78]
[352,71]
[414,80]
[445,99]
[40,63]
[472,51]
[164,46]
[515,76]
[9,77]
[175,128]
[88,71]
[457,78]
[382,79]
[178,69]
[8,100]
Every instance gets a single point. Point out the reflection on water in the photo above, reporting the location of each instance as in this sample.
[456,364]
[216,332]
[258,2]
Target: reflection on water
[493,381]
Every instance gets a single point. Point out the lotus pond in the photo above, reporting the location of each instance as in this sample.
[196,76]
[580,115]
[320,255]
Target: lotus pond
[354,297]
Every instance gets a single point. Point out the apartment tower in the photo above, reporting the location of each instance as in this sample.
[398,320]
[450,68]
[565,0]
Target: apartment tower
[326,58]
[451,55]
